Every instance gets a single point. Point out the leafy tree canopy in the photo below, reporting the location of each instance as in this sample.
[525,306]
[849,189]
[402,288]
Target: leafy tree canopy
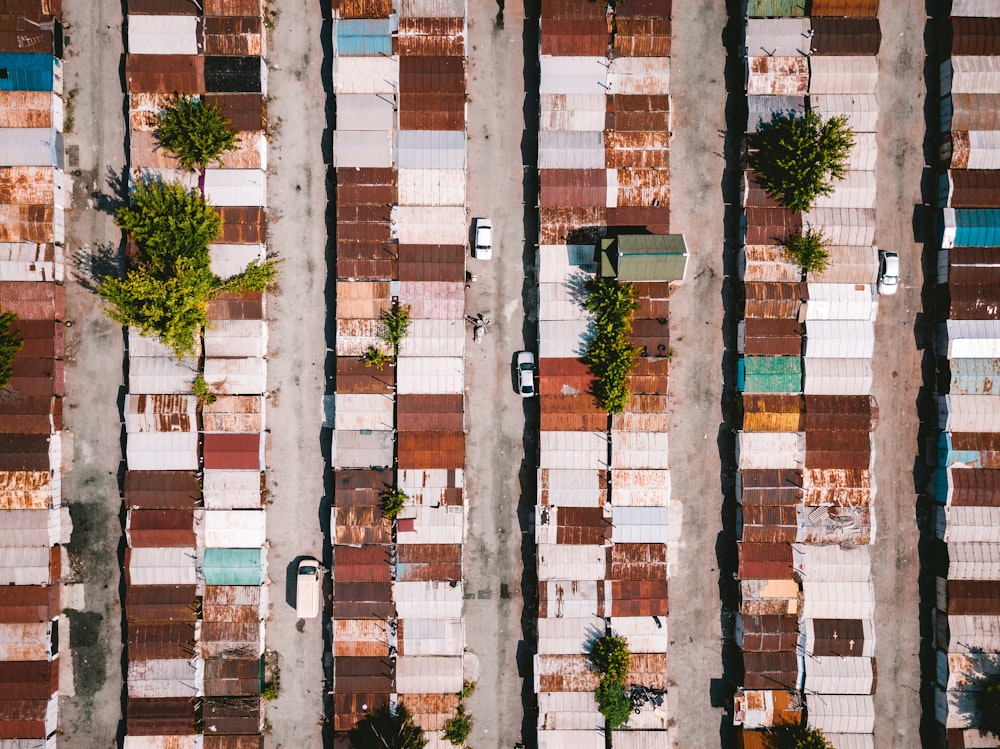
[802,737]
[989,709]
[194,132]
[610,353]
[797,158]
[613,702]
[610,656]
[396,324]
[457,729]
[380,729]
[167,284]
[809,250]
[11,343]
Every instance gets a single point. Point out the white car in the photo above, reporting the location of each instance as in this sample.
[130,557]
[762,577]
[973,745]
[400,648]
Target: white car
[526,374]
[308,588]
[483,247]
[888,273]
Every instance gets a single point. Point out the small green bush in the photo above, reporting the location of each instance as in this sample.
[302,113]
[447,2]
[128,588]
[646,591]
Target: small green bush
[613,702]
[801,737]
[11,342]
[457,729]
[194,132]
[396,324]
[201,389]
[270,691]
[809,250]
[393,502]
[610,656]
[376,358]
[468,687]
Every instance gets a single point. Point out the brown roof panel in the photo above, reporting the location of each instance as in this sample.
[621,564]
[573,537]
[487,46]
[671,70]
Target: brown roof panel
[234,7]
[161,489]
[160,603]
[242,224]
[573,187]
[160,528]
[639,598]
[234,36]
[29,604]
[233,742]
[975,36]
[564,377]
[30,680]
[427,562]
[973,597]
[348,709]
[637,561]
[428,111]
[770,632]
[582,225]
[162,8]
[365,194]
[232,451]
[24,453]
[644,9]
[429,413]
[642,37]
[430,450]
[431,711]
[23,719]
[360,674]
[160,640]
[363,8]
[770,495]
[575,37]
[656,220]
[165,74]
[846,36]
[160,716]
[32,300]
[580,525]
[353,376]
[232,715]
[361,525]
[366,269]
[770,670]
[368,564]
[840,412]
[852,8]
[838,637]
[431,37]
[770,534]
[555,9]
[432,75]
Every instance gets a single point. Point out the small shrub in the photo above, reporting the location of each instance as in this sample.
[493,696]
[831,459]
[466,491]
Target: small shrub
[396,324]
[808,250]
[383,729]
[376,358]
[201,389]
[613,702]
[801,737]
[468,687]
[270,691]
[610,656]
[610,353]
[457,729]
[393,502]
[11,342]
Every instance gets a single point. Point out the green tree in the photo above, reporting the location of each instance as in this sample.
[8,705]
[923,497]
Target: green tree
[396,324]
[988,704]
[610,353]
[168,282]
[169,223]
[802,737]
[610,656]
[11,343]
[809,250]
[613,702]
[457,729]
[375,357]
[381,729]
[797,158]
[194,132]
[393,502]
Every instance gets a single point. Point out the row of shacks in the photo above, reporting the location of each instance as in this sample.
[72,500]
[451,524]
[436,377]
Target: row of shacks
[399,152]
[805,485]
[31,276]
[603,481]
[965,490]
[195,564]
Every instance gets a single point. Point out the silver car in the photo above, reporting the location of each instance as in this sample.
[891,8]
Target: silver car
[526,374]
[888,273]
[483,247]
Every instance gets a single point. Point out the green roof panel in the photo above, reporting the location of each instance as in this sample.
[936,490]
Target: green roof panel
[234,566]
[776,8]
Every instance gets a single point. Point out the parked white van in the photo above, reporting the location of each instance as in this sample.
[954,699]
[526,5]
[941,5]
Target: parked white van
[308,588]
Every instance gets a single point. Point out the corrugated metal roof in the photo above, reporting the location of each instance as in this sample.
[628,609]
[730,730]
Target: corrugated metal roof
[429,375]
[777,76]
[165,74]
[428,600]
[563,562]
[366,75]
[843,75]
[851,8]
[243,376]
[164,35]
[232,451]
[639,75]
[161,566]
[235,566]
[158,451]
[845,36]
[842,713]
[574,75]
[160,413]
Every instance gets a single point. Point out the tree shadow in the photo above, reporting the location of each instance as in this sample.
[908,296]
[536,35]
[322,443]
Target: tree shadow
[115,195]
[91,265]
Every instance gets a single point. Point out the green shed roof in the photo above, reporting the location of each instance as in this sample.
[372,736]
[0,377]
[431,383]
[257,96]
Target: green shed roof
[234,566]
[770,374]
[776,8]
[644,257]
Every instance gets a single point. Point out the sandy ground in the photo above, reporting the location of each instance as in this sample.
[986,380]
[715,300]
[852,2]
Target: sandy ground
[898,377]
[94,350]
[298,510]
[502,429]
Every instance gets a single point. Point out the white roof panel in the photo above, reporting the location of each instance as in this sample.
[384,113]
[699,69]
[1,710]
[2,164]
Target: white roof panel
[571,562]
[363,411]
[162,451]
[431,224]
[639,75]
[152,375]
[642,488]
[433,637]
[365,75]
[228,260]
[430,149]
[781,37]
[841,301]
[431,187]
[244,376]
[840,339]
[427,600]
[635,525]
[573,75]
[163,35]
[843,74]
[639,450]
[235,529]
[429,375]
[433,525]
[573,711]
[837,376]
[423,674]
[365,112]
[855,190]
[225,489]
[567,635]
[839,675]
[236,187]
[162,566]
[842,713]
[838,600]
[236,339]
[24,565]
[561,149]
[562,339]
[579,450]
[362,148]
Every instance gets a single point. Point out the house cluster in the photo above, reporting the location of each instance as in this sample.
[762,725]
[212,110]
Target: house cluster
[32,443]
[805,485]
[603,481]
[397,414]
[966,487]
[196,561]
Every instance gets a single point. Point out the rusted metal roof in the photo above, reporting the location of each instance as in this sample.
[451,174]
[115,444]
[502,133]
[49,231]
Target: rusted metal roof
[427,562]
[362,8]
[564,673]
[560,225]
[579,525]
[840,412]
[573,187]
[430,450]
[30,680]
[242,225]
[26,108]
[365,564]
[570,9]
[348,709]
[160,528]
[429,413]
[236,451]
[851,8]
[575,37]
[644,9]
[770,633]
[564,377]
[233,413]
[642,37]
[149,641]
[771,225]
[161,489]
[431,37]
[160,603]
[363,600]
[846,36]
[975,36]
[973,597]
[160,716]
[770,670]
[838,637]
[232,742]
[637,561]
[360,637]
[353,376]
[637,150]
[836,486]
[234,7]
[27,184]
[431,111]
[232,676]
[165,73]
[652,338]
[362,675]
[27,604]
[244,111]
[234,36]
[161,8]
[431,711]
[361,525]
[432,75]
[232,306]
[232,715]
[639,598]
